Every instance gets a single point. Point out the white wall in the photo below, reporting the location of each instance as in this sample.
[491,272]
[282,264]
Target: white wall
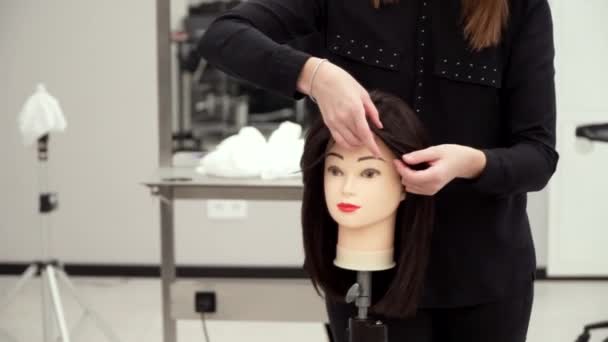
[578,219]
[99,59]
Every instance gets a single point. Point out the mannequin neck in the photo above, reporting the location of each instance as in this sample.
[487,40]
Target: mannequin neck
[357,260]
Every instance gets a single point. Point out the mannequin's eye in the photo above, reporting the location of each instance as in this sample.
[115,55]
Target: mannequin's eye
[370,173]
[334,171]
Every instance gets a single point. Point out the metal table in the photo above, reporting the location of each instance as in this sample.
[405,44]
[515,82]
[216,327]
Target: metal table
[171,183]
[184,183]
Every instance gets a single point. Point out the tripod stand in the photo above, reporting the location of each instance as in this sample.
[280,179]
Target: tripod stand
[363,328]
[51,271]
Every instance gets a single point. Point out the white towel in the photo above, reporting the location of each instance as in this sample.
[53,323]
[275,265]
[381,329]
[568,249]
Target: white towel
[285,148]
[248,154]
[40,115]
[240,155]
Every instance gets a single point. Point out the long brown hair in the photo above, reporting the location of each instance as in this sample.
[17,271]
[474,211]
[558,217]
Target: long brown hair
[396,292]
[483,20]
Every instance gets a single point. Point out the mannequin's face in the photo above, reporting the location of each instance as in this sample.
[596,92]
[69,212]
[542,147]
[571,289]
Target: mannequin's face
[361,190]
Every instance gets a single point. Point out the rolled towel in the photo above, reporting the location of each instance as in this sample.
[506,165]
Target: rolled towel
[285,148]
[239,156]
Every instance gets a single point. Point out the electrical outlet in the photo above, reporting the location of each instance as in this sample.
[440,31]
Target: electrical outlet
[204,302]
[226,209]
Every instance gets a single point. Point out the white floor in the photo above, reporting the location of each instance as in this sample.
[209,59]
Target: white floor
[132,309]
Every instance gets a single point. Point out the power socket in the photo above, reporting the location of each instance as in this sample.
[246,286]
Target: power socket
[226,209]
[204,302]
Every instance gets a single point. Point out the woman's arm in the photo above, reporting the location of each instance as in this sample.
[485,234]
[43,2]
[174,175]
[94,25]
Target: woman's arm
[529,107]
[529,97]
[249,41]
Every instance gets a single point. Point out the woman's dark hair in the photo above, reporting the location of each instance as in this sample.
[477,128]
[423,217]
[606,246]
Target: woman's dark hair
[399,295]
[483,20]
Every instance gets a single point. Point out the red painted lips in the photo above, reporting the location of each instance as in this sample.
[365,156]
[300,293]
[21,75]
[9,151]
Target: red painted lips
[347,207]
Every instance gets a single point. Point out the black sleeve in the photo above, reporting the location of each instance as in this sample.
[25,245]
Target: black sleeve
[529,103]
[250,42]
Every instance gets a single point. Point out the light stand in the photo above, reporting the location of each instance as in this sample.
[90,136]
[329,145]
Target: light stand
[51,271]
[363,328]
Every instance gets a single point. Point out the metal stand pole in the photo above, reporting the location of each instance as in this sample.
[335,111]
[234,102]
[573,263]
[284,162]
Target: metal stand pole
[167,271]
[363,328]
[47,203]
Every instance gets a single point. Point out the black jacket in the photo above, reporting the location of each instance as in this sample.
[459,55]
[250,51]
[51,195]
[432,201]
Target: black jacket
[500,100]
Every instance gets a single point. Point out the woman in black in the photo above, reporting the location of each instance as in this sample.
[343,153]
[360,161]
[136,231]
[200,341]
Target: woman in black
[480,76]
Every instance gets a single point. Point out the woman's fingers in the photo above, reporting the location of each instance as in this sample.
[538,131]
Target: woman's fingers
[338,127]
[349,136]
[411,177]
[425,182]
[340,139]
[401,168]
[422,177]
[365,133]
[421,156]
[410,188]
[345,105]
[371,111]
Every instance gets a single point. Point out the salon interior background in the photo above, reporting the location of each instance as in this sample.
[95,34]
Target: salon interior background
[99,59]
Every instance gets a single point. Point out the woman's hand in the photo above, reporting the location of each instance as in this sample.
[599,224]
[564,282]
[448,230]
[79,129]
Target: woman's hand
[446,162]
[343,103]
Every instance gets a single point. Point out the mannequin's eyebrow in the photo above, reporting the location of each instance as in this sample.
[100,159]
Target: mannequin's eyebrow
[335,155]
[370,157]
[360,159]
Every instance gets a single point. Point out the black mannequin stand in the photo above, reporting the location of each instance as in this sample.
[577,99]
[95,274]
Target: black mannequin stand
[363,328]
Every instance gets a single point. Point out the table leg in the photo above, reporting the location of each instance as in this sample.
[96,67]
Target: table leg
[167,270]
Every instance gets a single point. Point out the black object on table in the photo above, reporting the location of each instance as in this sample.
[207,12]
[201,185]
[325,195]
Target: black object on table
[593,132]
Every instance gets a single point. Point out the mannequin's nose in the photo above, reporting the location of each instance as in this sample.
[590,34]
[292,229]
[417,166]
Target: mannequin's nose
[348,187]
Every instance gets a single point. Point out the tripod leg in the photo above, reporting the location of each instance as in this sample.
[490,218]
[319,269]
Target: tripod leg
[103,326]
[10,296]
[59,313]
[26,276]
[48,329]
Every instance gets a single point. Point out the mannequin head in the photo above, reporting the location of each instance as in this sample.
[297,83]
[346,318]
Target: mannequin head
[334,175]
[372,185]
[362,194]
